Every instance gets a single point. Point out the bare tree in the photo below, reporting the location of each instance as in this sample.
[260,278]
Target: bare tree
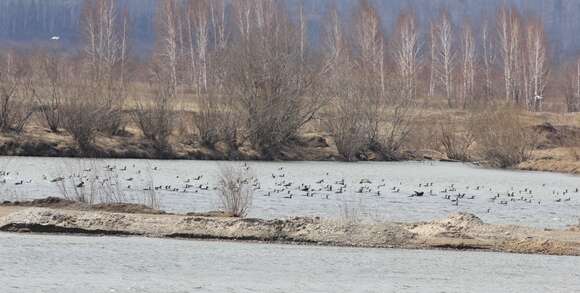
[106,45]
[489,58]
[406,53]
[433,49]
[369,67]
[266,72]
[97,99]
[51,86]
[537,68]
[509,39]
[445,56]
[303,28]
[572,87]
[198,22]
[219,24]
[370,43]
[345,115]
[335,43]
[468,70]
[16,93]
[168,45]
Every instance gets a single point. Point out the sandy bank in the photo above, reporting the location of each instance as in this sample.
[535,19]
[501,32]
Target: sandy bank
[458,231]
[6,210]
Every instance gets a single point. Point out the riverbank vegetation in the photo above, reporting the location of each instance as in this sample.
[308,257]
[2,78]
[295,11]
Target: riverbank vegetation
[244,80]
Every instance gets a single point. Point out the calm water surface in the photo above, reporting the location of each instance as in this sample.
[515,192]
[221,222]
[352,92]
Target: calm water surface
[62,264]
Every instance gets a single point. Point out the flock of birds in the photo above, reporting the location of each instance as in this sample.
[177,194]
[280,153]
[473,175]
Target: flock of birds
[325,187]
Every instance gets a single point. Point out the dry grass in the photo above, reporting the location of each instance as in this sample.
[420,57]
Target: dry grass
[564,159]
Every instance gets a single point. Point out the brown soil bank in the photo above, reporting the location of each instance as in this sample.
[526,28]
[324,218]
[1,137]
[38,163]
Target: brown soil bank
[558,149]
[459,231]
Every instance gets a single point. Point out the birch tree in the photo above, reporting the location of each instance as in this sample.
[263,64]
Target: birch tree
[445,57]
[468,65]
[168,46]
[510,48]
[198,20]
[433,51]
[370,42]
[488,58]
[105,46]
[537,67]
[406,53]
[572,89]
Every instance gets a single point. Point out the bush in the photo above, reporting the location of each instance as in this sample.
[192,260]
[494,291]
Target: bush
[155,119]
[454,141]
[54,76]
[274,86]
[503,138]
[346,124]
[395,130]
[216,121]
[81,118]
[235,190]
[16,94]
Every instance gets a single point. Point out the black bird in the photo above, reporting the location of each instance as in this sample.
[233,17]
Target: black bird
[419,193]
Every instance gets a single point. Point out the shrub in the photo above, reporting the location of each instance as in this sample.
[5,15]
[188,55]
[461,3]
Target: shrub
[454,141]
[81,118]
[155,119]
[395,130]
[346,124]
[235,190]
[216,121]
[503,138]
[16,94]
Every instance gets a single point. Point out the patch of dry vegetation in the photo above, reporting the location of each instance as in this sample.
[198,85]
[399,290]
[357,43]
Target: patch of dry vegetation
[503,139]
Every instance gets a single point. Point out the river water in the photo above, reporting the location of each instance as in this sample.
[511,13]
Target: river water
[539,199]
[63,264]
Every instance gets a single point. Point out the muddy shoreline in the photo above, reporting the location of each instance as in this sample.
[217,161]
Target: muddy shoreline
[458,231]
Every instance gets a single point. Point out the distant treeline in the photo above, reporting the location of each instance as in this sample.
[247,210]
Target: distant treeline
[34,20]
